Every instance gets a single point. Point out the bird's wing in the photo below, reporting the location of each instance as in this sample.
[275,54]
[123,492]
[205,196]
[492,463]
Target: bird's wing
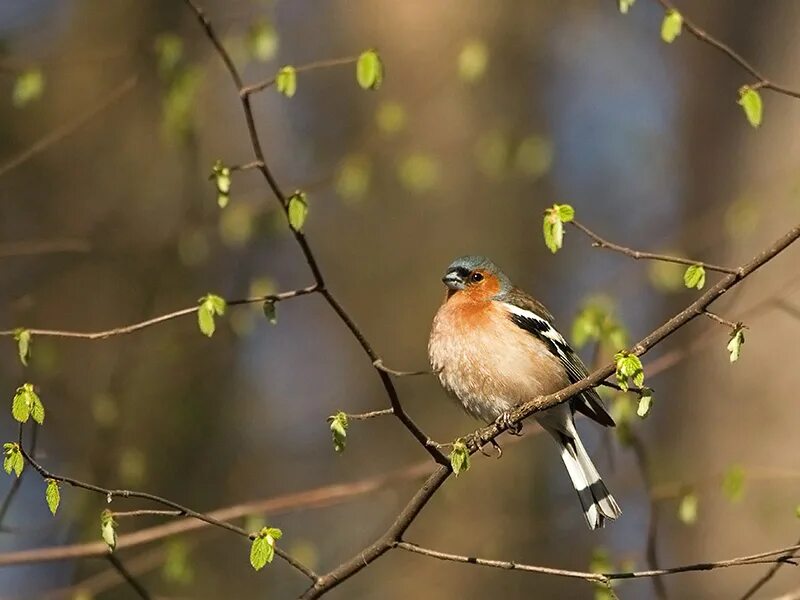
[534,318]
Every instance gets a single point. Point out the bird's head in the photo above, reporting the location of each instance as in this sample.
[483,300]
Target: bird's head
[475,276]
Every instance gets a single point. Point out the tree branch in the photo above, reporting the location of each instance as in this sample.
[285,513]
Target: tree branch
[320,64]
[706,38]
[127,576]
[599,242]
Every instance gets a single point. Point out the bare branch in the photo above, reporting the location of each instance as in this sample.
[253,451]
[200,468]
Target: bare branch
[378,364]
[321,64]
[599,242]
[705,37]
[371,414]
[127,576]
[721,320]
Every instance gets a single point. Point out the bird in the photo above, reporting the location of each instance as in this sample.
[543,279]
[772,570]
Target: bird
[494,347]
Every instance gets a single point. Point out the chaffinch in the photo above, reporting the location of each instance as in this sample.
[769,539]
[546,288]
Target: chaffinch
[494,347]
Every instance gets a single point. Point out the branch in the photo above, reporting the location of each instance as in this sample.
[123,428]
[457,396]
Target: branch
[126,575]
[66,129]
[107,333]
[705,37]
[320,64]
[599,242]
[485,435]
[301,240]
[603,578]
[110,493]
[762,581]
[36,247]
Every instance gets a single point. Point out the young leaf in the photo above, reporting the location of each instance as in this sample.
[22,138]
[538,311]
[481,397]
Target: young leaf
[750,101]
[222,178]
[459,457]
[671,26]
[736,342]
[554,219]
[695,277]
[21,405]
[52,495]
[645,402]
[687,509]
[13,459]
[629,369]
[271,312]
[37,408]
[23,338]
[297,210]
[339,430]
[263,549]
[209,306]
[108,529]
[369,70]
[625,6]
[733,483]
[286,81]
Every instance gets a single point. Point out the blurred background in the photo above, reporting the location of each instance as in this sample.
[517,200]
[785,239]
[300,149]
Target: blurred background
[489,113]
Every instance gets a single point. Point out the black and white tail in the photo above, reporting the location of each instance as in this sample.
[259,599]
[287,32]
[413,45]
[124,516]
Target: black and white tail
[597,502]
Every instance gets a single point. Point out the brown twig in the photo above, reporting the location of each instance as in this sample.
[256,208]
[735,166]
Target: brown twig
[771,572]
[111,493]
[378,364]
[320,64]
[721,320]
[59,133]
[107,333]
[127,576]
[705,37]
[371,415]
[599,242]
[602,578]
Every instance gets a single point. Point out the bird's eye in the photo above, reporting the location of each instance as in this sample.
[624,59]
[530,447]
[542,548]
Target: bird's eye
[476,277]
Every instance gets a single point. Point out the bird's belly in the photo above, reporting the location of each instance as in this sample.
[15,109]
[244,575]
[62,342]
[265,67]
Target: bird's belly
[489,377]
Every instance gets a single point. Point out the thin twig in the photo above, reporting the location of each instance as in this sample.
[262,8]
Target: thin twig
[111,493]
[721,320]
[705,37]
[378,364]
[107,333]
[37,247]
[370,415]
[599,242]
[602,578]
[320,64]
[15,485]
[59,133]
[127,576]
[147,513]
[771,572]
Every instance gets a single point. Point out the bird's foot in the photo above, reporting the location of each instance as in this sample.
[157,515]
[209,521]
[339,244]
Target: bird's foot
[504,421]
[475,440]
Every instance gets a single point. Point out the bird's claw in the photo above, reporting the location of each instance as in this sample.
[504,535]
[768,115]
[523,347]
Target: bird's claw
[476,441]
[504,421]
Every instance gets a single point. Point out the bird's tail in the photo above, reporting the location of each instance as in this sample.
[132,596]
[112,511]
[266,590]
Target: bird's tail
[597,502]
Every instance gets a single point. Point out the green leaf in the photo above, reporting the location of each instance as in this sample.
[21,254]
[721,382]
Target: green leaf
[459,457]
[28,87]
[339,430]
[473,60]
[13,459]
[369,70]
[209,306]
[625,6]
[23,338]
[108,529]
[37,408]
[263,549]
[52,495]
[297,210]
[733,483]
[645,402]
[222,178]
[687,509]
[671,26]
[736,342]
[629,369]
[750,101]
[271,312]
[694,277]
[262,41]
[26,403]
[286,81]
[596,322]
[553,226]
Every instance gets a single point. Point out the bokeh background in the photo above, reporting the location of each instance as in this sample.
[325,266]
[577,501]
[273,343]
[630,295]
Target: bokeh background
[489,113]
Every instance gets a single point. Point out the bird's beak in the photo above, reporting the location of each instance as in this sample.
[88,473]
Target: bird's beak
[453,281]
